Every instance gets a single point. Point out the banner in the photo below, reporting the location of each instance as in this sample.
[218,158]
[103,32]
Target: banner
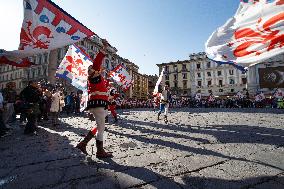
[74,68]
[198,96]
[271,77]
[156,90]
[278,94]
[45,27]
[254,34]
[240,95]
[122,77]
[259,97]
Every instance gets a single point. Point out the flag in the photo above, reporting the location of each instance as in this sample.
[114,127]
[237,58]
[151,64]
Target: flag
[198,96]
[259,97]
[45,27]
[84,101]
[74,68]
[254,34]
[278,94]
[156,90]
[122,77]
[240,95]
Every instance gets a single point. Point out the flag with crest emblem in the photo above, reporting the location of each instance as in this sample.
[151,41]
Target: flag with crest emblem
[254,34]
[45,27]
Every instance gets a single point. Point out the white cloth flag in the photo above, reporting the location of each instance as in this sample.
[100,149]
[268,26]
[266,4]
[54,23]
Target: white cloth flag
[278,94]
[254,34]
[74,68]
[259,97]
[240,95]
[122,77]
[156,90]
[45,27]
[198,96]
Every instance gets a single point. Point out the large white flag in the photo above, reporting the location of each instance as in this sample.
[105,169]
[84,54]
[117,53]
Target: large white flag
[255,33]
[156,90]
[45,27]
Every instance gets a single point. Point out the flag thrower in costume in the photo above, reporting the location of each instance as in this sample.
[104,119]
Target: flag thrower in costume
[122,77]
[254,34]
[45,27]
[156,90]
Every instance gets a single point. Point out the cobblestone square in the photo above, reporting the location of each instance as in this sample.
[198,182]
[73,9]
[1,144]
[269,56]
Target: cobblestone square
[198,148]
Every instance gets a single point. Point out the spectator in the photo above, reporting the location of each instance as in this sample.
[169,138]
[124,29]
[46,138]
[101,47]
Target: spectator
[9,95]
[3,128]
[31,97]
[55,107]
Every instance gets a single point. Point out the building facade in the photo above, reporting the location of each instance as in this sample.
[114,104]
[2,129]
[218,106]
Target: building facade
[45,66]
[152,80]
[210,77]
[200,75]
[139,88]
[178,77]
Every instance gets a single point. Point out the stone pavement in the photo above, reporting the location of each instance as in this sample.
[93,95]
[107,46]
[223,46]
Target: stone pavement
[206,148]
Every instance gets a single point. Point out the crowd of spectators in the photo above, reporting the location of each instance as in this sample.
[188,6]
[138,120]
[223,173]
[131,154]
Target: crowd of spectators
[41,101]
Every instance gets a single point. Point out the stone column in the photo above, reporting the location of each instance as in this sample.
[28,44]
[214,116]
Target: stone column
[52,66]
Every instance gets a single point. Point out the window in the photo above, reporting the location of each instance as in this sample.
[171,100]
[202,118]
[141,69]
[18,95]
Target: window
[198,66]
[176,84]
[219,73]
[209,83]
[232,81]
[209,74]
[107,64]
[184,76]
[208,64]
[167,68]
[184,84]
[175,77]
[167,77]
[231,72]
[220,90]
[199,83]
[221,83]
[232,90]
[244,81]
[198,74]
[175,68]
[209,91]
[45,58]
[184,67]
[185,92]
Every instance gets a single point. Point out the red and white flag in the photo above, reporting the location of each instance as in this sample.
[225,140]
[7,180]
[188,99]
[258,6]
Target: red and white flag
[45,27]
[278,94]
[254,34]
[198,96]
[240,95]
[122,77]
[259,97]
[74,67]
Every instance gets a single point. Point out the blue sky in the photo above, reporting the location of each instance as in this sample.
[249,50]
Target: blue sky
[147,32]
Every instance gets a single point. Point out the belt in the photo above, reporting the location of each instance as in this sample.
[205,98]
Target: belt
[99,93]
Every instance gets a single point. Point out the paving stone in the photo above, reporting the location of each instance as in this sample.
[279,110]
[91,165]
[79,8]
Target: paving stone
[34,180]
[268,185]
[163,183]
[135,177]
[80,171]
